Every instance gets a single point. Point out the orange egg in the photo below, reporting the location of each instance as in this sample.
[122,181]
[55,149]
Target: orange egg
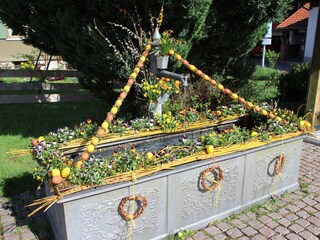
[213,82]
[100,133]
[257,108]
[130,81]
[140,64]
[57,179]
[109,117]
[85,156]
[242,100]
[227,91]
[185,62]
[199,72]
[123,95]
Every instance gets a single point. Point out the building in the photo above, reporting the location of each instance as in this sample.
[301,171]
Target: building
[13,52]
[297,33]
[12,48]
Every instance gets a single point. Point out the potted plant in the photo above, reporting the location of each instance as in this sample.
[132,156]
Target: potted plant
[165,44]
[157,91]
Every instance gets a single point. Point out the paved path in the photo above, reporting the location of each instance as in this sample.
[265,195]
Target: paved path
[290,216]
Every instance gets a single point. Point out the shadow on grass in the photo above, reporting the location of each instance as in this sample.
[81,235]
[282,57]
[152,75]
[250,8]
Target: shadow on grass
[19,184]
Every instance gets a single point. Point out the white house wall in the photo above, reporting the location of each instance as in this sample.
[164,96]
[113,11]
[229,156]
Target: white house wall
[311,32]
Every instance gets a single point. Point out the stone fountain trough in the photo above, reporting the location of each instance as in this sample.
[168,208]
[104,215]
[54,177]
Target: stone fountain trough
[175,197]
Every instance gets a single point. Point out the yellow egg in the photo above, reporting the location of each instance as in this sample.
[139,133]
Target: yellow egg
[133,75]
[210,149]
[65,172]
[114,110]
[126,88]
[55,172]
[142,58]
[90,148]
[234,96]
[148,47]
[192,68]
[307,124]
[95,140]
[118,103]
[40,139]
[171,52]
[105,125]
[264,112]
[206,77]
[220,87]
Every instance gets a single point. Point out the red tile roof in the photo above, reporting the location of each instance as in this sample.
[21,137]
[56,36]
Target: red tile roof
[297,20]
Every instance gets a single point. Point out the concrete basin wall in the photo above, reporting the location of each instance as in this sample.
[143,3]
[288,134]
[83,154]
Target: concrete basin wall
[175,197]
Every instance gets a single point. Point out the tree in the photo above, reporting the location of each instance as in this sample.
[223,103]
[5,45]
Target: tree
[234,27]
[221,31]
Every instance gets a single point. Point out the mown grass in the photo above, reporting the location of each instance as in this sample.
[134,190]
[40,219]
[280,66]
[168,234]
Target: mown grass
[262,85]
[264,73]
[19,123]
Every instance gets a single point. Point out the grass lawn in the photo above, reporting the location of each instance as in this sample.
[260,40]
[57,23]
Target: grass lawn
[261,86]
[19,123]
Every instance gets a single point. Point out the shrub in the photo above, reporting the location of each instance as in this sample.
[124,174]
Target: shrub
[294,84]
[272,57]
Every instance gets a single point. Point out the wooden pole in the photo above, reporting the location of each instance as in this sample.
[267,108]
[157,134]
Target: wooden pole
[313,98]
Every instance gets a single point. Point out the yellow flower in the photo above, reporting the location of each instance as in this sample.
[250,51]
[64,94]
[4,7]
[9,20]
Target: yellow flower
[38,177]
[164,115]
[168,120]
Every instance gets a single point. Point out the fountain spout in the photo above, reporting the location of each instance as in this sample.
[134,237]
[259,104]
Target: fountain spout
[159,73]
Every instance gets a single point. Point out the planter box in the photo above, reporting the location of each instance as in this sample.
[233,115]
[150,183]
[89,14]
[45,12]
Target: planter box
[175,198]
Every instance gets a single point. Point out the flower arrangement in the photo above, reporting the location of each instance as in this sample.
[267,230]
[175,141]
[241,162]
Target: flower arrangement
[155,88]
[165,44]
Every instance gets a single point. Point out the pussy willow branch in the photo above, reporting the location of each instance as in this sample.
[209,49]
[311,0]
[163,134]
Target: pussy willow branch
[116,51]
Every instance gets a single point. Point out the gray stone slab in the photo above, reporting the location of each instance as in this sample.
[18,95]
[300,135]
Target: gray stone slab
[259,176]
[191,205]
[97,217]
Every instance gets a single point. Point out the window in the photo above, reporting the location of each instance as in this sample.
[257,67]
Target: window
[11,35]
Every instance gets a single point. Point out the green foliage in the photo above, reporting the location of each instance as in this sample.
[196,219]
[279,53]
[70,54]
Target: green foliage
[234,28]
[227,137]
[167,122]
[294,84]
[272,57]
[218,34]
